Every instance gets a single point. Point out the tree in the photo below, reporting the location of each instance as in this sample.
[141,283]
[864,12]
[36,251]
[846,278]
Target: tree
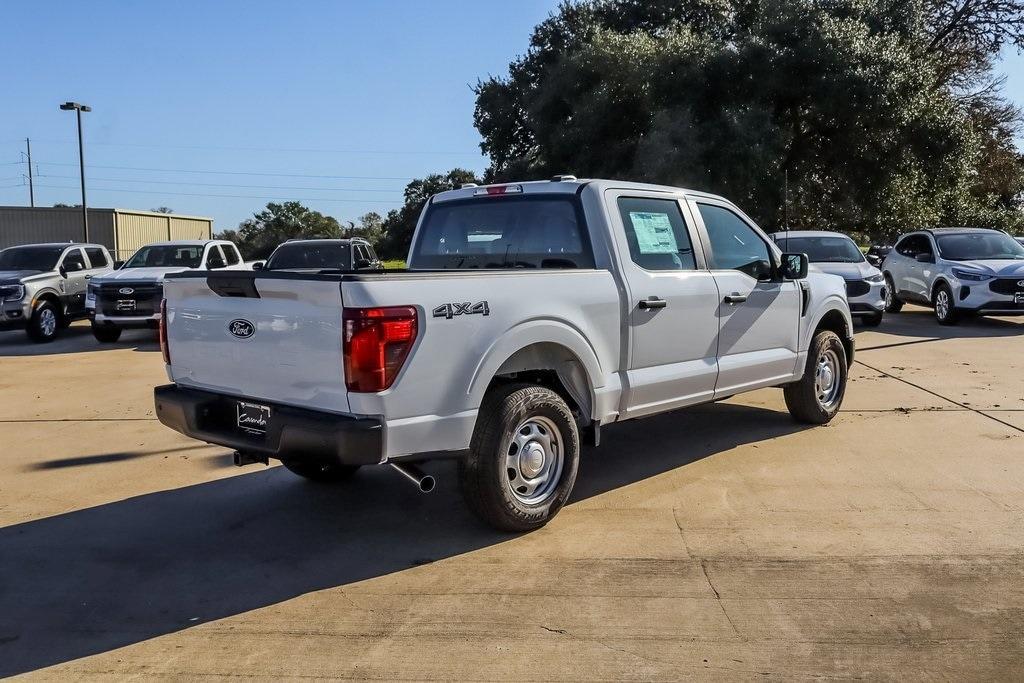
[162,209]
[259,235]
[370,227]
[854,101]
[401,223]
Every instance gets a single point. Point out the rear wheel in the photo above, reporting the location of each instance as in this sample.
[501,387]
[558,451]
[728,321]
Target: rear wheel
[106,334]
[45,322]
[320,472]
[892,302]
[945,309]
[522,459]
[816,398]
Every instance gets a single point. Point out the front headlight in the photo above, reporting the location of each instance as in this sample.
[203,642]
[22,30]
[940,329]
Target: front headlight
[970,275]
[876,279]
[12,292]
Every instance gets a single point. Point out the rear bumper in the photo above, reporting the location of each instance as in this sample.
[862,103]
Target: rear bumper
[149,321]
[294,434]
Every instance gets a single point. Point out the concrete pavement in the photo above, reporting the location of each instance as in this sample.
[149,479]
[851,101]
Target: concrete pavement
[720,542]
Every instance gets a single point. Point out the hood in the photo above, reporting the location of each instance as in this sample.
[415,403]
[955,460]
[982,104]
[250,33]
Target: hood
[848,271]
[151,274]
[995,267]
[13,277]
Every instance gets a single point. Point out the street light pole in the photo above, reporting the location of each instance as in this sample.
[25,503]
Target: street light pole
[78,109]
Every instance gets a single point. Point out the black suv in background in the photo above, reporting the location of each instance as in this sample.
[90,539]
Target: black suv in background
[311,256]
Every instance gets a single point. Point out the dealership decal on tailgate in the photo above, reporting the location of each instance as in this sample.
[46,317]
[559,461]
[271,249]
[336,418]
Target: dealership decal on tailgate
[253,417]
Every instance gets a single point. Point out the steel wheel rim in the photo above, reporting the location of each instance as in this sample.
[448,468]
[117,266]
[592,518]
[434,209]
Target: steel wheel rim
[942,303]
[888,294]
[47,322]
[534,458]
[827,380]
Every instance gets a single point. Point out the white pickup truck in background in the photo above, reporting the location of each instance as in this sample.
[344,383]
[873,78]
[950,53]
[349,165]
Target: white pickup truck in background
[130,296]
[532,316]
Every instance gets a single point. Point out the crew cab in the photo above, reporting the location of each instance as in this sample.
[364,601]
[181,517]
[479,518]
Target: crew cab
[43,286]
[956,271]
[130,296]
[532,316]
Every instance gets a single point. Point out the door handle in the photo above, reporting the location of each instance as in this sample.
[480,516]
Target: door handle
[88,277]
[735,298]
[653,302]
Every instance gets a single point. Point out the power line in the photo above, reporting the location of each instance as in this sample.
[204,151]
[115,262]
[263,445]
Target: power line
[258,187]
[230,196]
[303,150]
[253,173]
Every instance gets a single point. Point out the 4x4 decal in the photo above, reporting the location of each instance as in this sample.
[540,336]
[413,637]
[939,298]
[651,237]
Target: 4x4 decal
[449,311]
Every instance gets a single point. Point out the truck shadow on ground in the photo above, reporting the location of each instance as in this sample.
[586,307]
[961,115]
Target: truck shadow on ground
[75,339]
[93,580]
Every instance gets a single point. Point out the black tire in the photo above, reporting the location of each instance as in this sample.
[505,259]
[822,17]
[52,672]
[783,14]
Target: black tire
[489,484]
[44,323]
[945,311]
[873,320]
[106,334]
[802,397]
[892,302]
[324,473]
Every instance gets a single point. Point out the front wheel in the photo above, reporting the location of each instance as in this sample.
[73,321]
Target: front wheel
[106,334]
[523,458]
[945,309]
[44,323]
[892,302]
[816,397]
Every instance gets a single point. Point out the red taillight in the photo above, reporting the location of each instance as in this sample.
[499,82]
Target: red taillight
[164,348]
[376,343]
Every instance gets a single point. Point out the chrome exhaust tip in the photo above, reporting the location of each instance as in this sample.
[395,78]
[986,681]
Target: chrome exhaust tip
[424,482]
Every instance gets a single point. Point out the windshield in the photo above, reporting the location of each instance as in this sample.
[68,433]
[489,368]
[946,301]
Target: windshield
[503,232]
[299,256]
[30,258]
[837,249]
[971,246]
[163,255]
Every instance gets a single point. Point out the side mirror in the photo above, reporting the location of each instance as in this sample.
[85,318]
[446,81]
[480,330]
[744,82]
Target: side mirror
[874,260]
[794,266]
[214,264]
[363,263]
[258,265]
[118,265]
[924,258]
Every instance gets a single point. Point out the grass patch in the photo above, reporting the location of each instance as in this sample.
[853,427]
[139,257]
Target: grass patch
[395,264]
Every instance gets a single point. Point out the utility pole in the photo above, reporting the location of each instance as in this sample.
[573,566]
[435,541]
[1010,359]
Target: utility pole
[78,109]
[31,190]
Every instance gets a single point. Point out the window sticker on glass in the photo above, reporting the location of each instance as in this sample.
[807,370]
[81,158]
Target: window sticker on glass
[654,233]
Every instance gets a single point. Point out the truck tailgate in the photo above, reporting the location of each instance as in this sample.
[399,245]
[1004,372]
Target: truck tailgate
[292,353]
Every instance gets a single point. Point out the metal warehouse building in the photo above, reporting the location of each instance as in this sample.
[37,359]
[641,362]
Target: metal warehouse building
[122,231]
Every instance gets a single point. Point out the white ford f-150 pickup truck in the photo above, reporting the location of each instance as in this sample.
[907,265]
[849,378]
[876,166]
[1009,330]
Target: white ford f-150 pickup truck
[532,316]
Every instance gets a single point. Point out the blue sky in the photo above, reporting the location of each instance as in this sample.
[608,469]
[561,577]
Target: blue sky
[338,104]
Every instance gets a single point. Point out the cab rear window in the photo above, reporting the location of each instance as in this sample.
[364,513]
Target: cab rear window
[503,232]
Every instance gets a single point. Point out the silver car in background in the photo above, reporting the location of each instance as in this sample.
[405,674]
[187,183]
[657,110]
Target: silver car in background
[836,254]
[957,271]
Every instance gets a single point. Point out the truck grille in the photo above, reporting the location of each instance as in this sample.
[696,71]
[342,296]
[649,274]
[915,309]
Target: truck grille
[143,300]
[857,288]
[1007,286]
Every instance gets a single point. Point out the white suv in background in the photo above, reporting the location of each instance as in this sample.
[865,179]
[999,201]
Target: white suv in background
[836,254]
[956,271]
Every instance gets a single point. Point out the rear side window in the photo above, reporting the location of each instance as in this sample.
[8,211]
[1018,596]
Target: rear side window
[97,258]
[503,232]
[311,256]
[656,233]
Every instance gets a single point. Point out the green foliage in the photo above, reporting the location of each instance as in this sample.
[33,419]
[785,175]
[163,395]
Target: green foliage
[860,103]
[259,235]
[400,224]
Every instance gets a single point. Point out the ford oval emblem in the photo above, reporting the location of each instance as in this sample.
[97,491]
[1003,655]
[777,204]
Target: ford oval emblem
[126,290]
[243,329]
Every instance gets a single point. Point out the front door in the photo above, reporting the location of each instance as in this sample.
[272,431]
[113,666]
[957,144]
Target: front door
[758,314]
[75,280]
[672,299]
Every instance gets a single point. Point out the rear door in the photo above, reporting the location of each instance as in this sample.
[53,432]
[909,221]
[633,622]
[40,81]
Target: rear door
[672,299]
[758,315]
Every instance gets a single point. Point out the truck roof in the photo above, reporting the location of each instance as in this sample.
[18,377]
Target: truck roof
[562,185]
[187,243]
[782,234]
[60,245]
